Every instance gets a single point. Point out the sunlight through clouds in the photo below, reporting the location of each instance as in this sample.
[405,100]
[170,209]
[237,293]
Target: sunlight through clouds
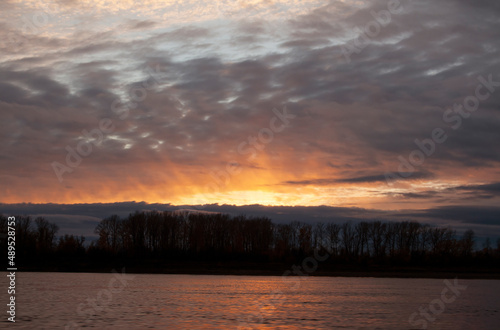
[191,87]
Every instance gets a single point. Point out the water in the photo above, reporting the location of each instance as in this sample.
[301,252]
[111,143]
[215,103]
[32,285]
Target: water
[104,301]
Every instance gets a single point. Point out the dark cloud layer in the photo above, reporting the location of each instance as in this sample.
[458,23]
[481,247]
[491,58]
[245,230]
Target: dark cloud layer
[81,219]
[362,179]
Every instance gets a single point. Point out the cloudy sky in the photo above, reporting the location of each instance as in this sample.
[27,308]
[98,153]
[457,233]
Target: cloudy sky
[384,106]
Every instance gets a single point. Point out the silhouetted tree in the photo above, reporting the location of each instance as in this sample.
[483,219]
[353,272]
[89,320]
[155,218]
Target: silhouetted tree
[45,235]
[333,231]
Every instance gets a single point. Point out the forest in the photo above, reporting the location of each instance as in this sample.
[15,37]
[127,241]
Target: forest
[195,242]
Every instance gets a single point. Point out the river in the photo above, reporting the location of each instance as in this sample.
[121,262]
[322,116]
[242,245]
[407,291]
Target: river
[131,301]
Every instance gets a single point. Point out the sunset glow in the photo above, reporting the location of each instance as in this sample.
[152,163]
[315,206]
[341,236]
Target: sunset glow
[250,164]
[243,102]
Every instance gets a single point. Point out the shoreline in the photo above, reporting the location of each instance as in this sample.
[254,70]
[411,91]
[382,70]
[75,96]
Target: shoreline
[482,274]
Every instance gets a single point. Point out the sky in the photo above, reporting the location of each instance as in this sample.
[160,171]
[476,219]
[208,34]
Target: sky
[389,107]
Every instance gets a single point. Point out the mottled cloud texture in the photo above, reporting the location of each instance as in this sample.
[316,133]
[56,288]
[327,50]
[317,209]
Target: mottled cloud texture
[381,105]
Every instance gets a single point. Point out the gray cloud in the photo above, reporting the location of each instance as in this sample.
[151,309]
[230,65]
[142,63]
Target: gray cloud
[361,179]
[81,219]
[219,85]
[471,215]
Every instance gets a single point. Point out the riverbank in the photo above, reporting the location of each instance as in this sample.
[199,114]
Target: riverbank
[280,270]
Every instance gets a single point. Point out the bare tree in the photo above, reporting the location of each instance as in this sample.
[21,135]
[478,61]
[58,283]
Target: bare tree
[46,233]
[333,231]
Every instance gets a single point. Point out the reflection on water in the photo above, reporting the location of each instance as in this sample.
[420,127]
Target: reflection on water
[56,300]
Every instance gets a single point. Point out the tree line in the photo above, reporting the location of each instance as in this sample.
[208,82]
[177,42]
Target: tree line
[221,237]
[36,240]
